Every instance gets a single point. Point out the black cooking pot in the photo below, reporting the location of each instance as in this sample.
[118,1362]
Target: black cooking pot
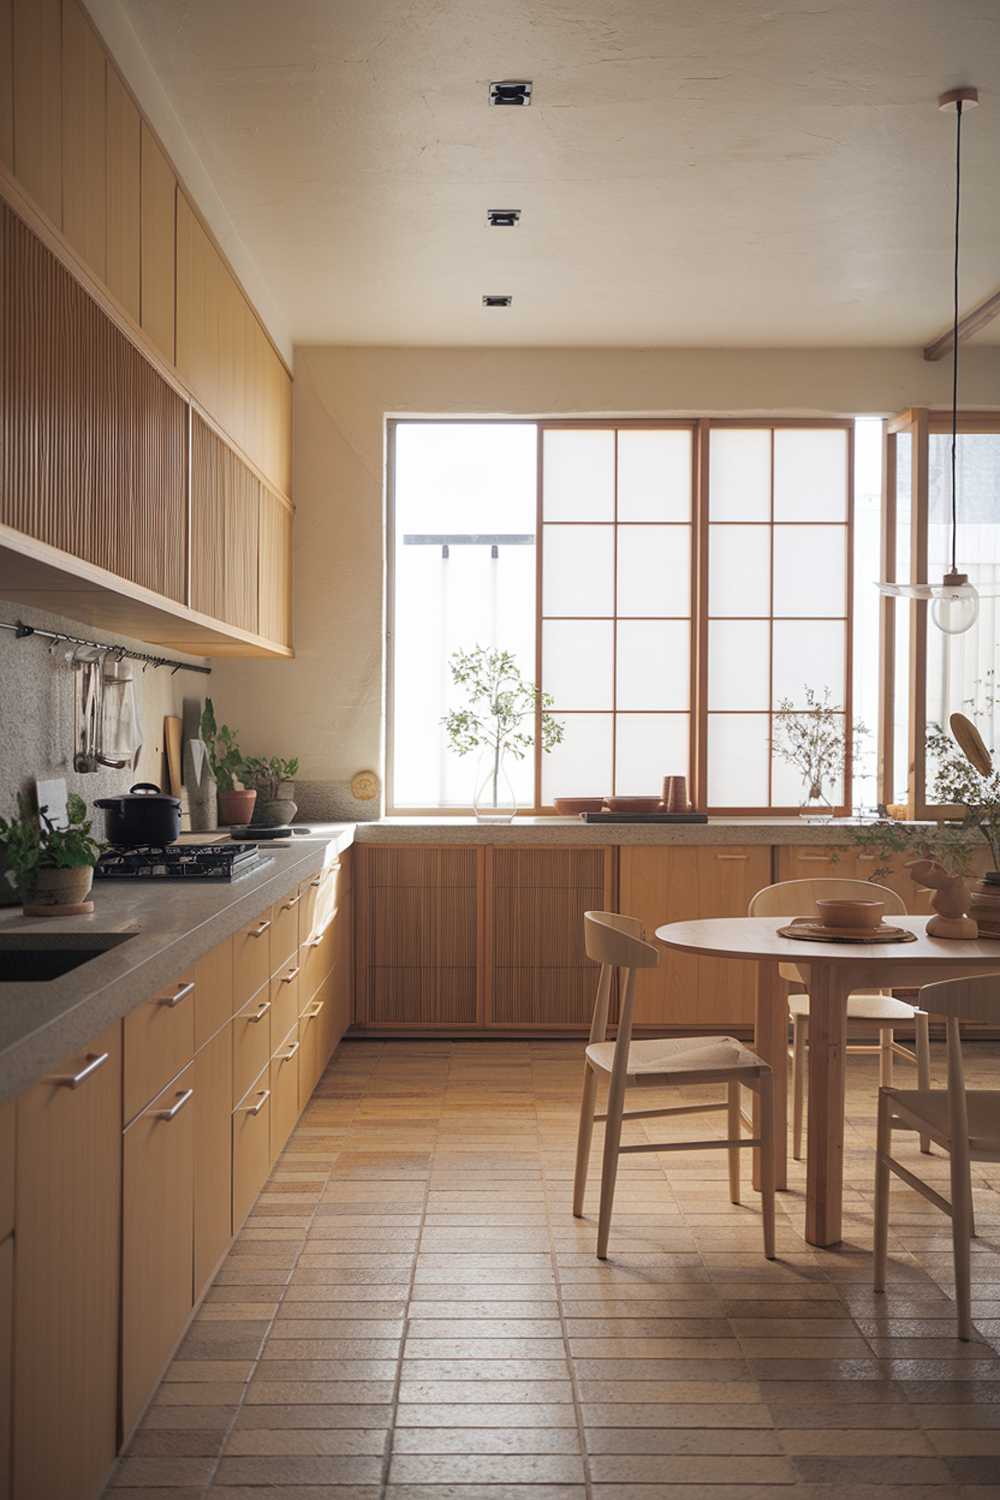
[144,816]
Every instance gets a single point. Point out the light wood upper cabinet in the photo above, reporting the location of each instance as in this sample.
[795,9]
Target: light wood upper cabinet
[274,585]
[66,1275]
[157,287]
[157,1239]
[37,36]
[84,139]
[124,213]
[199,274]
[6,83]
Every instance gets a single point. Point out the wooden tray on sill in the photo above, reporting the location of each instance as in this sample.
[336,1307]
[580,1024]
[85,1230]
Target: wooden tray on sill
[647,817]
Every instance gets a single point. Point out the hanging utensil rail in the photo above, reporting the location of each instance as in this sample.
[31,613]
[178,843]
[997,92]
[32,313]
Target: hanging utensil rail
[22,632]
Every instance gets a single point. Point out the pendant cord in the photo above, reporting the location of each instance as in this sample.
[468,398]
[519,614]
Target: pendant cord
[954,342]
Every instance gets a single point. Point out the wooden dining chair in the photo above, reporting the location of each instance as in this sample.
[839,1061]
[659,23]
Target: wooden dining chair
[617,943]
[964,1123]
[797,898]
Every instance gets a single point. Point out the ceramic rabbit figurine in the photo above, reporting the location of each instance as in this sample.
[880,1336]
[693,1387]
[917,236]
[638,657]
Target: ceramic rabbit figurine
[950,901]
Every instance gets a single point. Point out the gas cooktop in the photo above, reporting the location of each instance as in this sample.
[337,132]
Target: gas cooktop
[180,862]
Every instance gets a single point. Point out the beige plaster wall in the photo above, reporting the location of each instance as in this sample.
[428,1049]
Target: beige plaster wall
[326,705]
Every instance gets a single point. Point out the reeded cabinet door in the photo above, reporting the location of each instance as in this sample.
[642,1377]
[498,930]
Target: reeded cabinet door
[66,1275]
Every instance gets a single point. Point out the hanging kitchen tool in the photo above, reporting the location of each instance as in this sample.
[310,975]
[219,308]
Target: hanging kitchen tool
[86,710]
[121,726]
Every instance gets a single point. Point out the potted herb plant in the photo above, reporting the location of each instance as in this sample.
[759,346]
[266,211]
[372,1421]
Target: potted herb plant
[273,779]
[497,720]
[50,867]
[225,760]
[813,740]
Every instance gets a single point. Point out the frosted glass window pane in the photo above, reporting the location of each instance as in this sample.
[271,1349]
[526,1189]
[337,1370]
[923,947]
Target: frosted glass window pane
[788,787]
[578,475]
[581,765]
[738,750]
[654,475]
[578,570]
[739,664]
[654,570]
[810,570]
[649,747]
[577,662]
[654,664]
[739,474]
[739,570]
[810,474]
[808,653]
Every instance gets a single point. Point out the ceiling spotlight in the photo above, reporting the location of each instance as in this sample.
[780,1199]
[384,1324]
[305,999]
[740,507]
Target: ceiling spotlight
[511,91]
[503,218]
[493,299]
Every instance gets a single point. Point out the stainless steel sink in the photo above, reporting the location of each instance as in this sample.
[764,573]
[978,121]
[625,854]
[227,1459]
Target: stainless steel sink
[23,956]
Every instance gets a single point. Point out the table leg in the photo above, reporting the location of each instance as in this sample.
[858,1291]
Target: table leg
[825,1149]
[770,1039]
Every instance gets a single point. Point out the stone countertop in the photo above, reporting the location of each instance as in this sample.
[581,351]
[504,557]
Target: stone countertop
[550,831]
[169,924]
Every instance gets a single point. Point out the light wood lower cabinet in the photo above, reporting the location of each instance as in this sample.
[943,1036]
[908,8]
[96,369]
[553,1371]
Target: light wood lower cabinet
[251,1146]
[159,1041]
[6,1361]
[310,1048]
[66,1275]
[284,1080]
[213,1156]
[157,1239]
[659,885]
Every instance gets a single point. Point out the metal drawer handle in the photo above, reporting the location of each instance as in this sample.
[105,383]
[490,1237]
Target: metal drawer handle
[181,992]
[291,902]
[329,870]
[313,1011]
[814,859]
[741,857]
[95,1060]
[262,1098]
[259,1013]
[313,942]
[260,931]
[175,1109]
[293,1047]
[287,978]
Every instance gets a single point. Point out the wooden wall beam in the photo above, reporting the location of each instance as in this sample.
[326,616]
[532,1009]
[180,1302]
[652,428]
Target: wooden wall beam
[979,317]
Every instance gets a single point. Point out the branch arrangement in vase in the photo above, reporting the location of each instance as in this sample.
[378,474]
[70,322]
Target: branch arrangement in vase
[813,740]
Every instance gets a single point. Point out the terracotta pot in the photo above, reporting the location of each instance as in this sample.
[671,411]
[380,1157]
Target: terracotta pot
[236,808]
[60,887]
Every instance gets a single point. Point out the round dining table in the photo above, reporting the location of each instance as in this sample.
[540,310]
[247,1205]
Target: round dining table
[830,972]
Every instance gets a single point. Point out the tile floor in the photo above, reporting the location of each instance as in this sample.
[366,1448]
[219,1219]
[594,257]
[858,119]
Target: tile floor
[412,1312]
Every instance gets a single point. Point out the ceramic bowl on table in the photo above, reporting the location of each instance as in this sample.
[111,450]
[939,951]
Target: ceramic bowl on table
[854,914]
[571,805]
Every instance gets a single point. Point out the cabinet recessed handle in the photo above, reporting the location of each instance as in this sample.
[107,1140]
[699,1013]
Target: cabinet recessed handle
[287,978]
[261,929]
[260,1012]
[814,859]
[262,1098]
[313,1011]
[740,857]
[175,1109]
[181,993]
[293,1047]
[95,1060]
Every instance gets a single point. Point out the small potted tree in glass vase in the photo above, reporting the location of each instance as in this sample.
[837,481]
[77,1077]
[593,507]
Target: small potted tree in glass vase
[813,740]
[498,720]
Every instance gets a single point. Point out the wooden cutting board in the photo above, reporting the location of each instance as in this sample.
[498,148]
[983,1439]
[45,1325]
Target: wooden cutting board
[172,745]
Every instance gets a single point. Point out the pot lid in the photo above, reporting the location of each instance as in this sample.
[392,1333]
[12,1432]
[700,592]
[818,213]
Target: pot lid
[142,791]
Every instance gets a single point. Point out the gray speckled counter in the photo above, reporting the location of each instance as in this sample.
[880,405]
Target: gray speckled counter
[172,923]
[547,831]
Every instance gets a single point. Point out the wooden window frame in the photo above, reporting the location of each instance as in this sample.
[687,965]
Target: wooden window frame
[920,424]
[697,713]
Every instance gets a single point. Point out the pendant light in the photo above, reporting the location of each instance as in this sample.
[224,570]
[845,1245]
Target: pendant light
[954,601]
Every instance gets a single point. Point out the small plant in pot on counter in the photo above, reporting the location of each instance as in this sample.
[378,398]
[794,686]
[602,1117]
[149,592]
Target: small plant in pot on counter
[225,760]
[274,781]
[48,866]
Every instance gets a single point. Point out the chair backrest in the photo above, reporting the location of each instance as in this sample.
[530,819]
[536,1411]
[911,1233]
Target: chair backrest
[976,999]
[615,941]
[797,898]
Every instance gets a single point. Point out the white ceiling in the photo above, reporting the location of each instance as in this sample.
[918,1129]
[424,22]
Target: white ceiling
[691,172]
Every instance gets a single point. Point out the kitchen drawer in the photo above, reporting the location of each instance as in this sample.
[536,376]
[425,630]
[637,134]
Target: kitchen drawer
[285,1004]
[157,1240]
[284,1091]
[251,958]
[285,930]
[311,1033]
[251,1041]
[213,992]
[213,1156]
[159,1041]
[319,898]
[316,961]
[251,1146]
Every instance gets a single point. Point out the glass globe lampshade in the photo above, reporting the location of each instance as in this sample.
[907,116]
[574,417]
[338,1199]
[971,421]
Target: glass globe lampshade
[955,606]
